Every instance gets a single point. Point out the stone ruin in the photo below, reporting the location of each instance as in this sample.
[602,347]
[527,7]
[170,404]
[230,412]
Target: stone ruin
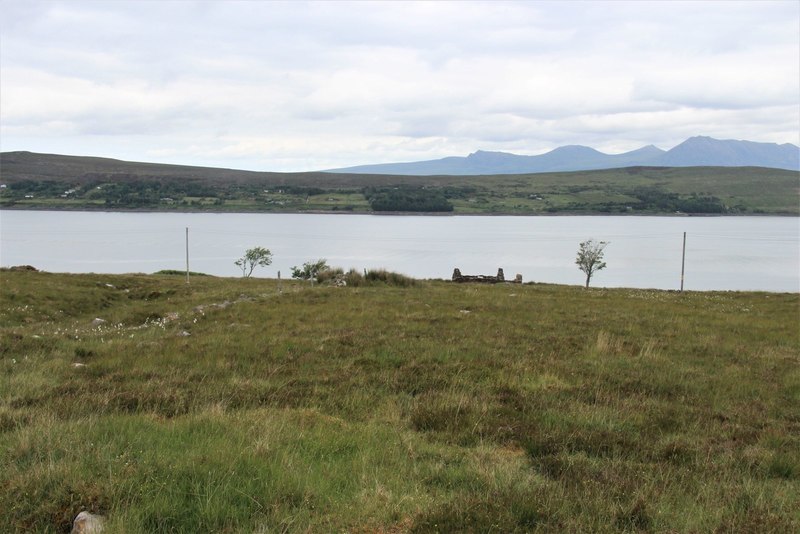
[484,279]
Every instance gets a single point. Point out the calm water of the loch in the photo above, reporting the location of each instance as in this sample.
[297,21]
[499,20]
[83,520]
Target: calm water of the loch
[725,253]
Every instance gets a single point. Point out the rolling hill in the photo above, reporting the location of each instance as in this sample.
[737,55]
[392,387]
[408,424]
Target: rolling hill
[50,181]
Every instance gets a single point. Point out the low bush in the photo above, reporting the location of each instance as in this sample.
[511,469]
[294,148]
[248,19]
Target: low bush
[355,278]
[390,278]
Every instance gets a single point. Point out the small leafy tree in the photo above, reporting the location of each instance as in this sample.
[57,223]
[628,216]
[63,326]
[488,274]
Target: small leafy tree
[310,269]
[253,257]
[590,258]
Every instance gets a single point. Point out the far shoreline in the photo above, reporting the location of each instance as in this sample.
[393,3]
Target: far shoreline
[398,213]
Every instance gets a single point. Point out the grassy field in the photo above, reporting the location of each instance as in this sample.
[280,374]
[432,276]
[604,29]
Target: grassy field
[238,405]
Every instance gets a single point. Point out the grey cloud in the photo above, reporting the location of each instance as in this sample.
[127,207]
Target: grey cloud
[416,80]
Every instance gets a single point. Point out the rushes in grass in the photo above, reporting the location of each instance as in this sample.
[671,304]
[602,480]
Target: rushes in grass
[607,344]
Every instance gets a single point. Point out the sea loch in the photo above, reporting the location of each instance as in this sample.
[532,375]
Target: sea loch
[722,253]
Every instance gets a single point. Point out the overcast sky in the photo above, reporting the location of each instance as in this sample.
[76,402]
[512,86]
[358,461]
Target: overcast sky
[306,86]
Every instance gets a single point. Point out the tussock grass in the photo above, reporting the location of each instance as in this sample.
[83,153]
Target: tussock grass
[233,405]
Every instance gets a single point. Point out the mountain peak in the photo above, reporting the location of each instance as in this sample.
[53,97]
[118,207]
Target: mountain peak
[575,149]
[704,150]
[695,151]
[478,154]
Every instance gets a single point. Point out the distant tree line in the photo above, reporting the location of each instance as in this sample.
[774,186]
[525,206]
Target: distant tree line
[652,198]
[132,191]
[34,187]
[147,192]
[298,190]
[407,198]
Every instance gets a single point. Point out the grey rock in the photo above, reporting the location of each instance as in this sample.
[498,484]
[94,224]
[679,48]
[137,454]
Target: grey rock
[86,523]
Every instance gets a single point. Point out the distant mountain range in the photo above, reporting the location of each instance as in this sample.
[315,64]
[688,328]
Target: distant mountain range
[695,151]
